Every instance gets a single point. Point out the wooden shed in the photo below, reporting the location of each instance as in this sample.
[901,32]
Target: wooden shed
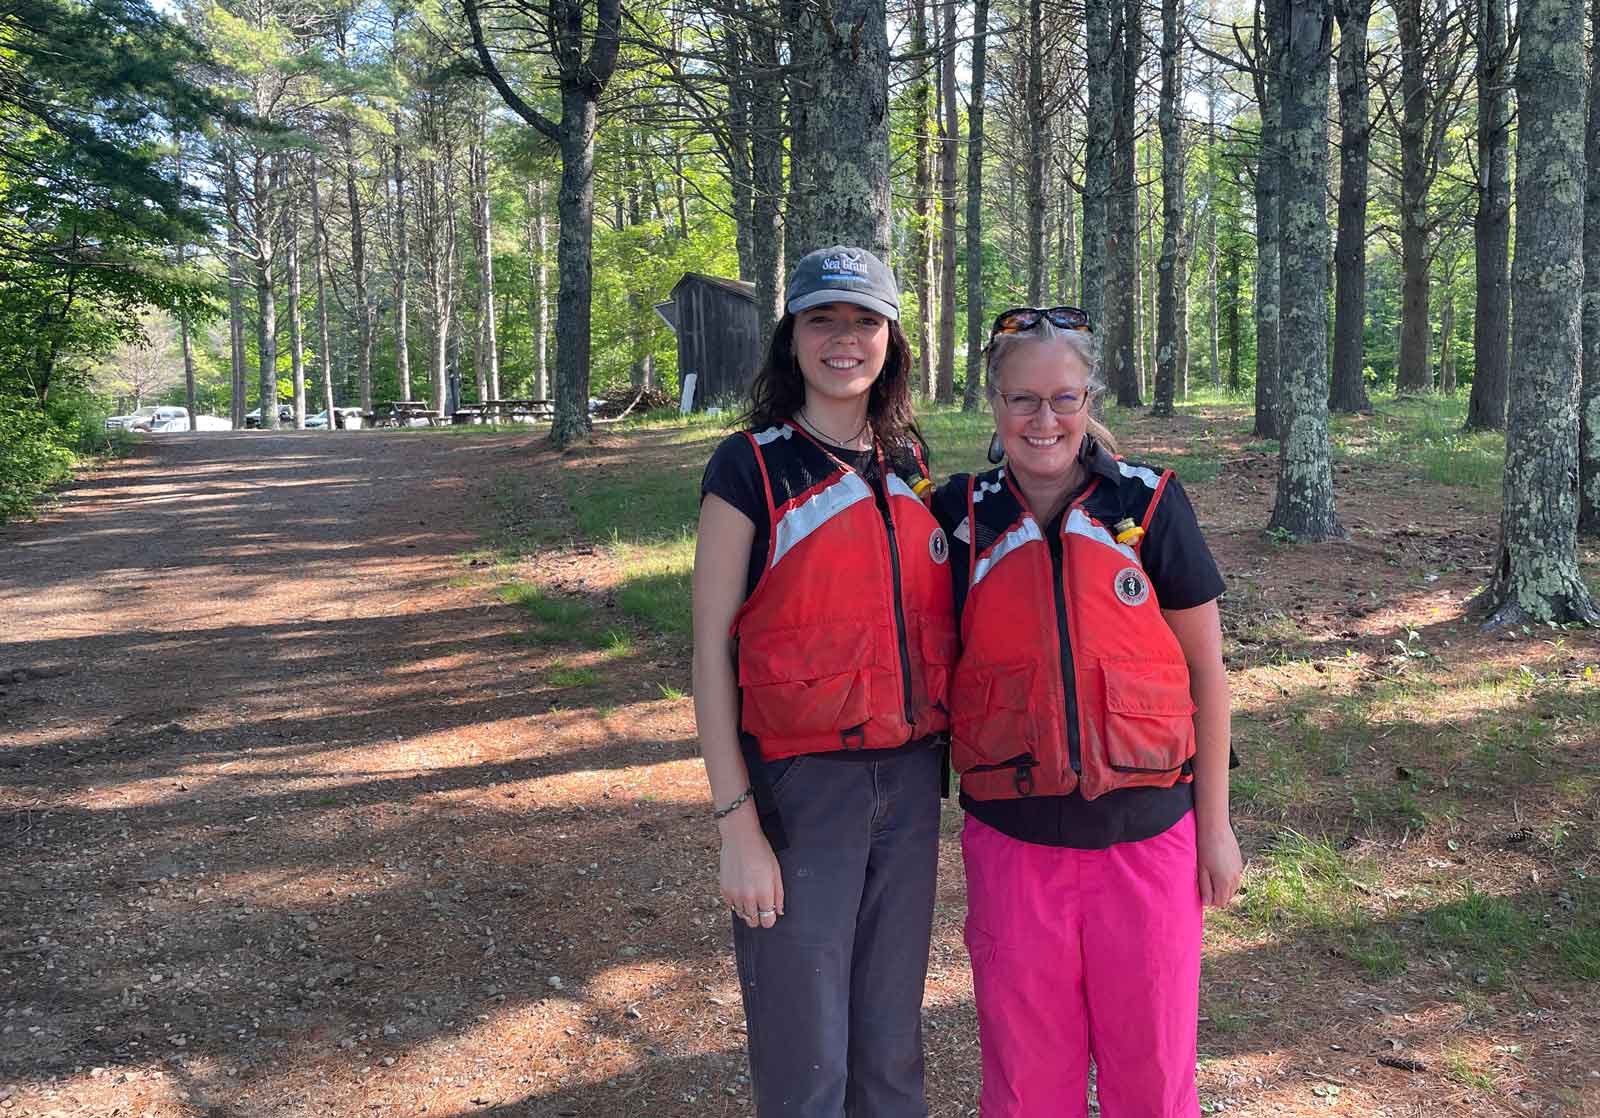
[718,338]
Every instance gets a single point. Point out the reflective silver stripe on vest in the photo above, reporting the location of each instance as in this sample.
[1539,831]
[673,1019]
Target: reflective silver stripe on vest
[1149,477]
[1081,525]
[800,521]
[898,488]
[781,431]
[1026,532]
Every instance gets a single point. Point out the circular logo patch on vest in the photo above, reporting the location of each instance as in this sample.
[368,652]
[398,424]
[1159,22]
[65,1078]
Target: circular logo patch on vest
[1133,589]
[938,546]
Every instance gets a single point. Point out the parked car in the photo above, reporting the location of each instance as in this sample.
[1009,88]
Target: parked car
[344,418]
[252,418]
[118,422]
[164,419]
[212,423]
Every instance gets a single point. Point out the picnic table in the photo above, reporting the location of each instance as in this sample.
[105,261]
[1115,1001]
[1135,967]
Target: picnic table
[400,413]
[513,409]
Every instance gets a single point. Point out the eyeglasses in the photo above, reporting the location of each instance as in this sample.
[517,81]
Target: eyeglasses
[1023,404]
[1018,319]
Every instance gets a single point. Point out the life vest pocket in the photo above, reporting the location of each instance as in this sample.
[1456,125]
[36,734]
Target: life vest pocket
[1149,723]
[932,653]
[991,717]
[796,683]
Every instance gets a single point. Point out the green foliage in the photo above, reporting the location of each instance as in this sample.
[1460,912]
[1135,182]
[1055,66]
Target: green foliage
[32,456]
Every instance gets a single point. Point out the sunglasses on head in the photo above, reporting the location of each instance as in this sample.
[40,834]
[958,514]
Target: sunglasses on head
[1018,319]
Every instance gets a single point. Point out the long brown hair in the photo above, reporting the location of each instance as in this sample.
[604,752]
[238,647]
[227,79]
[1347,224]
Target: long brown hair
[778,390]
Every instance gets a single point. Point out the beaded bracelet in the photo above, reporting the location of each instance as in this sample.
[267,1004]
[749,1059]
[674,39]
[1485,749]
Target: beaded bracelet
[733,805]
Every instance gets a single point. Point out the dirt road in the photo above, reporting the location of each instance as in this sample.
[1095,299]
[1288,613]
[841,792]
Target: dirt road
[273,792]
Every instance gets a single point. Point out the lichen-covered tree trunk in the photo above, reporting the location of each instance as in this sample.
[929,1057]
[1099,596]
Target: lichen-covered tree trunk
[1304,502]
[919,244]
[1491,317]
[1267,269]
[841,125]
[766,179]
[575,267]
[976,326]
[1536,577]
[1589,397]
[264,183]
[1167,341]
[949,152]
[1349,392]
[1096,159]
[1415,251]
[1036,131]
[1122,231]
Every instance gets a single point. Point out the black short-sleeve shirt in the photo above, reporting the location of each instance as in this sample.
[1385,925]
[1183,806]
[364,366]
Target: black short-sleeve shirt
[1183,575]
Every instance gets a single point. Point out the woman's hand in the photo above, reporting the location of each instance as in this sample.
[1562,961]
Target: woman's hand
[752,882]
[1220,864]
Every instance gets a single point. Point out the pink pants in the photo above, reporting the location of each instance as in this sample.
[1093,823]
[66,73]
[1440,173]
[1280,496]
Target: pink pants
[1085,952]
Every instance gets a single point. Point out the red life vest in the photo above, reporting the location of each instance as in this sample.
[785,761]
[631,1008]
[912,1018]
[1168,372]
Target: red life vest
[847,640]
[1066,683]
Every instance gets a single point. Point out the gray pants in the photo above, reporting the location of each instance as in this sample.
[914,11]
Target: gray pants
[833,993]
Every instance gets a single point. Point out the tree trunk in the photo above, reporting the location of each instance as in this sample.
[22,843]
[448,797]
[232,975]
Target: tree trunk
[1122,232]
[230,195]
[1349,392]
[842,125]
[1172,198]
[1412,126]
[1537,578]
[1447,353]
[976,326]
[738,149]
[1491,318]
[539,288]
[1033,109]
[1589,396]
[1211,230]
[919,241]
[402,293]
[1304,503]
[358,275]
[766,171]
[319,233]
[1268,272]
[1230,288]
[575,265]
[297,349]
[264,183]
[190,397]
[488,363]
[950,135]
[1099,57]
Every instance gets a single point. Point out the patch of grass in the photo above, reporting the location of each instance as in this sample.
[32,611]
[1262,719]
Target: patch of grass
[670,692]
[1579,950]
[1380,954]
[1303,882]
[560,675]
[614,643]
[543,608]
[655,585]
[1486,930]
[1460,1066]
[641,506]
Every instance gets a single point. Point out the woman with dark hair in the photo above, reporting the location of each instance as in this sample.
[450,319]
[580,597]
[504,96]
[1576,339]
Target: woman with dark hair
[823,636]
[1089,723]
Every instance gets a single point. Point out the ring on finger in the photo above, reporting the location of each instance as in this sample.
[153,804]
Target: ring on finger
[766,912]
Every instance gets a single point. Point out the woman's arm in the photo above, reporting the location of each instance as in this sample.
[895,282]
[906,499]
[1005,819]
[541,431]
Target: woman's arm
[1199,632]
[750,878]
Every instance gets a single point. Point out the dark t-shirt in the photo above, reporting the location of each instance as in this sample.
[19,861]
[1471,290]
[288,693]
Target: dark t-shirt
[734,475]
[1183,575]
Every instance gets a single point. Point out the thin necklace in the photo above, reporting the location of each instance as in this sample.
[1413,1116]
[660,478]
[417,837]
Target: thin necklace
[825,437]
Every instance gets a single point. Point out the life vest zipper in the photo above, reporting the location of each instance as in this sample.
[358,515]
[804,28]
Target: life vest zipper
[881,494]
[1069,687]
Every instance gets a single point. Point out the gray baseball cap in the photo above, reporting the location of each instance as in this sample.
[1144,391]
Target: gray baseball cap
[842,274]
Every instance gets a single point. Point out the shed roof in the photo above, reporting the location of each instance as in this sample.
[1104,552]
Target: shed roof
[737,287]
